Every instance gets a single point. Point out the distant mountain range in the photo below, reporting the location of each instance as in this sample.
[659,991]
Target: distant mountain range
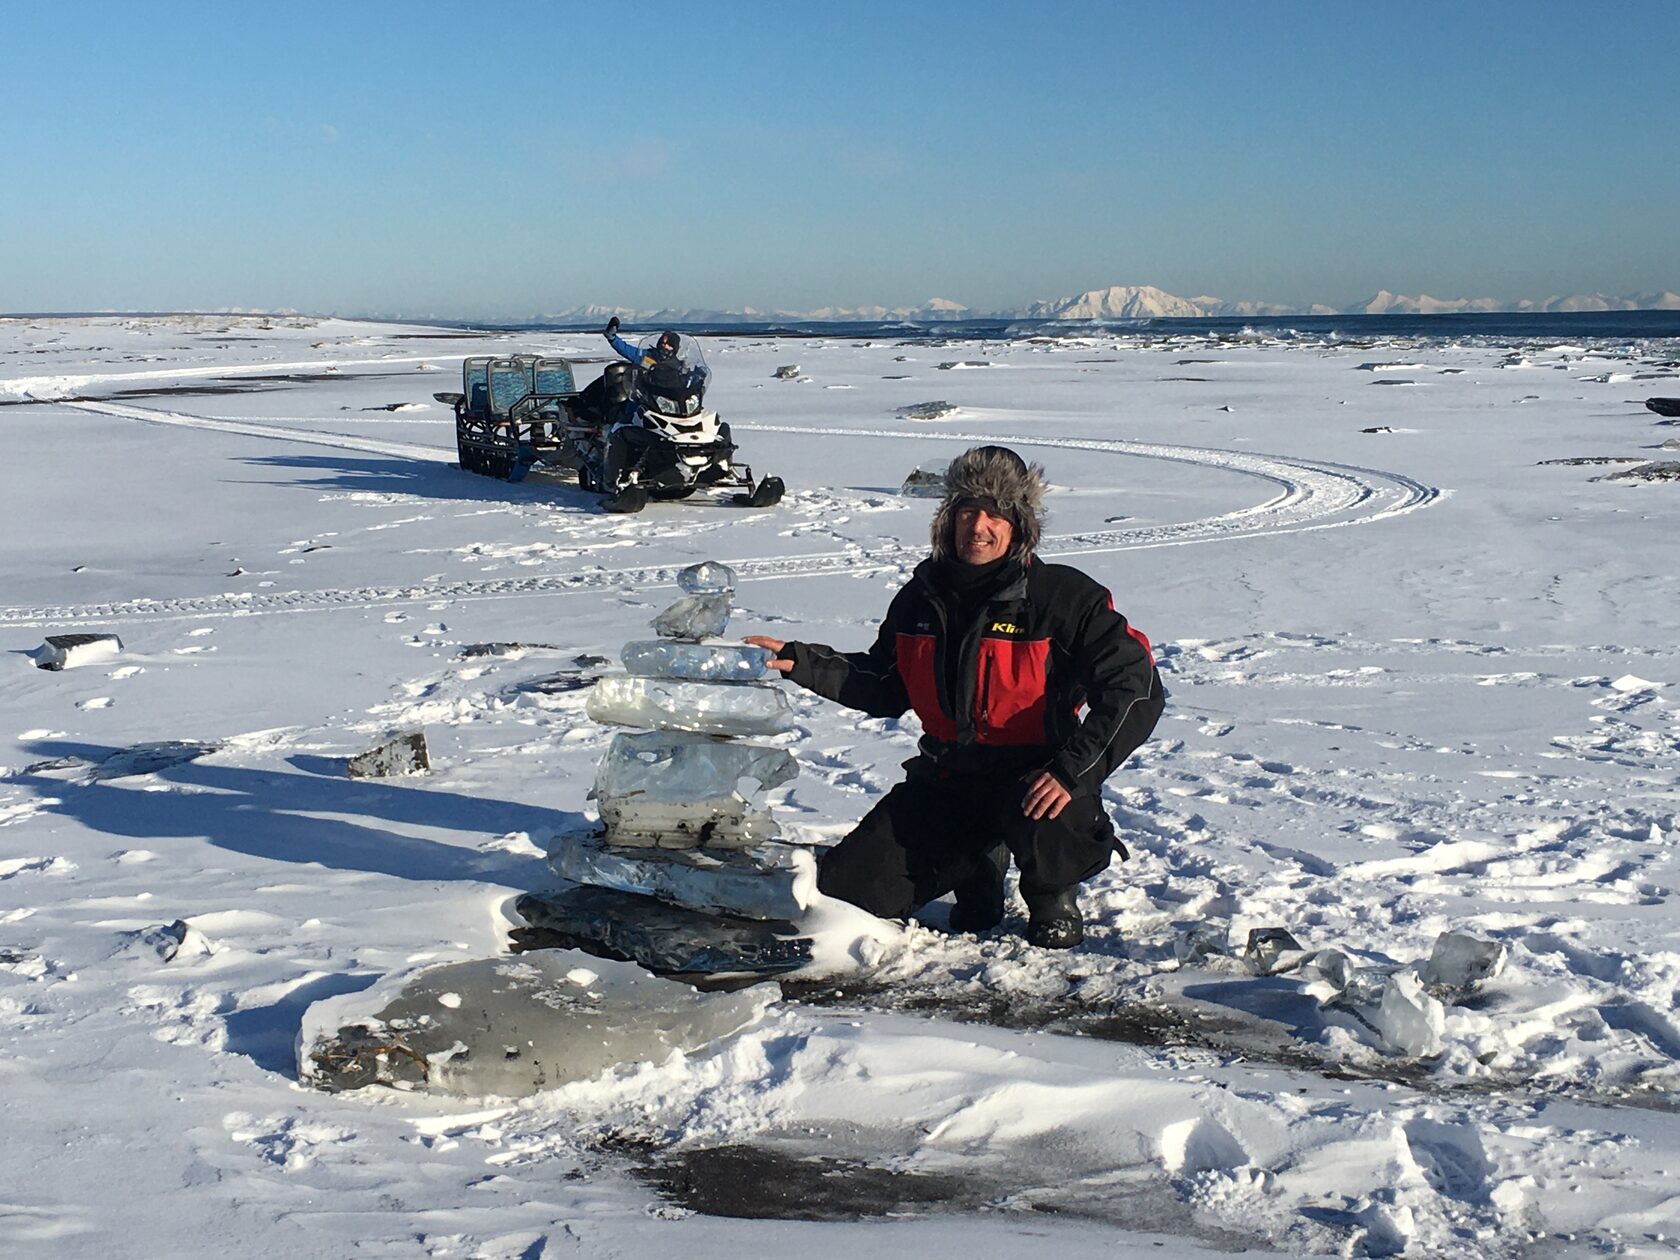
[1121,302]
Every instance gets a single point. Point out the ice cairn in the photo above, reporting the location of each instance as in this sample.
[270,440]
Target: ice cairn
[685,874]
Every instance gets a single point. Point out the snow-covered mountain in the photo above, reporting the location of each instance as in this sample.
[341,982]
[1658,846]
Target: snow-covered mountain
[932,309]
[1386,303]
[1118,302]
[1664,301]
[1148,302]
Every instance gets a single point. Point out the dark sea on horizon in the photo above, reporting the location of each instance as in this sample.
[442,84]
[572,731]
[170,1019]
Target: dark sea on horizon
[1497,326]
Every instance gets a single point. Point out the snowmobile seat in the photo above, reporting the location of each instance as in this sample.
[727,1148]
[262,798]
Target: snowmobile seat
[510,380]
[553,378]
[475,384]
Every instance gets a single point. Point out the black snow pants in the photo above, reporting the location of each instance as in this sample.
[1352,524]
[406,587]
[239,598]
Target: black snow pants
[930,834]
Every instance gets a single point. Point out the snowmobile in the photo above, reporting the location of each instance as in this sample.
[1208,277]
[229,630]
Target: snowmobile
[645,432]
[633,434]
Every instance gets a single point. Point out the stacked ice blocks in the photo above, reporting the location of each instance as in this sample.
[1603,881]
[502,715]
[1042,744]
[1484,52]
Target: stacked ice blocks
[686,873]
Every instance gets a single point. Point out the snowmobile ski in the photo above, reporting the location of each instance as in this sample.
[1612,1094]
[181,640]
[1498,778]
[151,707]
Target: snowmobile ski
[766,493]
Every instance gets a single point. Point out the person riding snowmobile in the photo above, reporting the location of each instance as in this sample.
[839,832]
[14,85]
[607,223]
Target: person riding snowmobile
[663,372]
[657,378]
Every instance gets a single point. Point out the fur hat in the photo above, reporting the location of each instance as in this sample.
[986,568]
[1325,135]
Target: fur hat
[1000,481]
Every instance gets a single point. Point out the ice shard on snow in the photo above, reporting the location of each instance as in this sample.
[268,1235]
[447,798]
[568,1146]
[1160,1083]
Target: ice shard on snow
[766,881]
[678,790]
[704,708]
[926,481]
[1331,966]
[1272,949]
[1197,942]
[1459,962]
[694,617]
[707,577]
[404,753]
[701,662]
[511,1026]
[1393,1005]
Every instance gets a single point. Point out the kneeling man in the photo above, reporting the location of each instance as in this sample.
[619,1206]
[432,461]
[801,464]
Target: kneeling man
[1031,690]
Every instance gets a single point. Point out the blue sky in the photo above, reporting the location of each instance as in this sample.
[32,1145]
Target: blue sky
[505,159]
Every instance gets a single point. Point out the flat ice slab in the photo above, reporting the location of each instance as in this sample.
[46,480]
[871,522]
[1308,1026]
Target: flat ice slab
[512,1026]
[150,757]
[695,662]
[666,939]
[703,708]
[767,881]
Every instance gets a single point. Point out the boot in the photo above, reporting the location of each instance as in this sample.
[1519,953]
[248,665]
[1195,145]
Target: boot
[1053,920]
[979,905]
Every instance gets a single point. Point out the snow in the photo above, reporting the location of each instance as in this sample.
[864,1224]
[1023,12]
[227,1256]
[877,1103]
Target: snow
[1418,685]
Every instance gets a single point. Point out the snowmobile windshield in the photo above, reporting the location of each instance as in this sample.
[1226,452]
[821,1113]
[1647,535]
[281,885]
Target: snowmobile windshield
[675,383]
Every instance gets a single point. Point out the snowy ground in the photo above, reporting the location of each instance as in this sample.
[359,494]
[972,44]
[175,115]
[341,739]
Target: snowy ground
[1421,679]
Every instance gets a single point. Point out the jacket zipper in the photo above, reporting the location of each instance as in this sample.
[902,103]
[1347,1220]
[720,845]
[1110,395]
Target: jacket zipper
[986,699]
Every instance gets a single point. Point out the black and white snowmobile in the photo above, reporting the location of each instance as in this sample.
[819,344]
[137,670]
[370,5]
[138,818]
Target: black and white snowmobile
[642,431]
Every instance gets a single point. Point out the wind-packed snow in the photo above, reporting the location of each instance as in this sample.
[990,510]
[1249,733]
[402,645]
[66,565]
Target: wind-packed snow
[1423,680]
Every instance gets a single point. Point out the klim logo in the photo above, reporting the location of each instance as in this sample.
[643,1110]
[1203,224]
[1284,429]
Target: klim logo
[1006,627]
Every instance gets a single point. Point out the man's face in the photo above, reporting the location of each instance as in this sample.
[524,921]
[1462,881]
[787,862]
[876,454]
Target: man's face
[980,537]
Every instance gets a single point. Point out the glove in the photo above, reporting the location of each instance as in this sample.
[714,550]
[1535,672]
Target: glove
[612,326]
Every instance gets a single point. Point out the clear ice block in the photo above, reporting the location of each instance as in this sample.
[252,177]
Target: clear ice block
[1393,1005]
[674,790]
[707,577]
[512,1026]
[694,617]
[766,881]
[704,708]
[702,662]
[1459,962]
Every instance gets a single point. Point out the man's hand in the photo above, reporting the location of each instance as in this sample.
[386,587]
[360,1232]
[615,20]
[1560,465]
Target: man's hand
[776,646]
[612,327]
[1045,798]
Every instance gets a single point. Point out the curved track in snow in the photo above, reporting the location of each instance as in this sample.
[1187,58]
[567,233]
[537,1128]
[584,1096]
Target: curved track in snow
[1307,495]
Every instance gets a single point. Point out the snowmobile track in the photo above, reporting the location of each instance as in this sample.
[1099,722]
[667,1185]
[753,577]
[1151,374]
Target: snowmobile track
[1310,495]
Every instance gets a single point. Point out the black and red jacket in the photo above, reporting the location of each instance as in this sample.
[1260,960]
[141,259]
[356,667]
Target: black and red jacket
[1045,674]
